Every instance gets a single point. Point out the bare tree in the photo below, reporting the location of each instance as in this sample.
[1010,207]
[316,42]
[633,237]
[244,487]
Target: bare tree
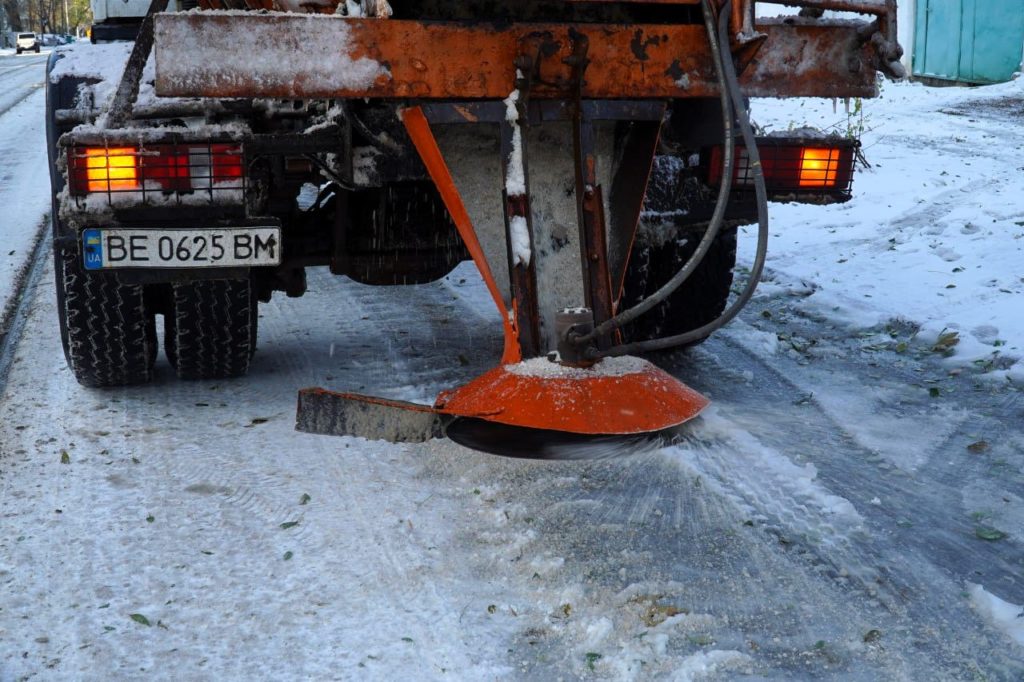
[11,11]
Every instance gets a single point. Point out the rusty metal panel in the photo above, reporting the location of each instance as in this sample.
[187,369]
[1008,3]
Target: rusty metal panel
[311,57]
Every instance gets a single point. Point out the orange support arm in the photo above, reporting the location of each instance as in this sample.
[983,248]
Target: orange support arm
[418,127]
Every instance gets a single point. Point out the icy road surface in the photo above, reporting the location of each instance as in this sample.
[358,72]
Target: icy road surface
[23,169]
[847,509]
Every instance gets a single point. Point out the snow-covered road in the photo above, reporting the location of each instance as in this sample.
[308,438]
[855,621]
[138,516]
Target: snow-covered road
[24,174]
[848,509]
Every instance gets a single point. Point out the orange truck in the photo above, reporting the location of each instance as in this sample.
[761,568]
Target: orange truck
[592,157]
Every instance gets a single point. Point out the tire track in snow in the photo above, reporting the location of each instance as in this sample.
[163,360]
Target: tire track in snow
[18,101]
[380,331]
[914,568]
[385,315]
[12,78]
[227,490]
[15,315]
[912,495]
[937,206]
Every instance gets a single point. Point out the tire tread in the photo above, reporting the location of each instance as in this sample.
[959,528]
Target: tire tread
[211,330]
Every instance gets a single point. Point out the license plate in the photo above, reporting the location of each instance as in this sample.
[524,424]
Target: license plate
[200,248]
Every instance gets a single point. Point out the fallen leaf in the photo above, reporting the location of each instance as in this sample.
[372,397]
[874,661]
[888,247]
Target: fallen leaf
[305,498]
[289,524]
[946,342]
[989,533]
[65,458]
[288,556]
[140,619]
[978,447]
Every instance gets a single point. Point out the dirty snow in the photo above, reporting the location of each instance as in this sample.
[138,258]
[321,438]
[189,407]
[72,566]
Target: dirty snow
[935,232]
[177,500]
[607,367]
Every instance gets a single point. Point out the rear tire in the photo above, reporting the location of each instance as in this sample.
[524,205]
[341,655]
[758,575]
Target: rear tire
[700,299]
[210,330]
[109,336]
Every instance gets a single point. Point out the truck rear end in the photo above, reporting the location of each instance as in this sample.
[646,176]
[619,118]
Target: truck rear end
[592,157]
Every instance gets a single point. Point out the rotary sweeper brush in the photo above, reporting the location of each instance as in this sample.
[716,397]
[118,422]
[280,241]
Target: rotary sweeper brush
[592,157]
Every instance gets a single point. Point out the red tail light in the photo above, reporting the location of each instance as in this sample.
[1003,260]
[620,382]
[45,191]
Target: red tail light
[164,167]
[169,168]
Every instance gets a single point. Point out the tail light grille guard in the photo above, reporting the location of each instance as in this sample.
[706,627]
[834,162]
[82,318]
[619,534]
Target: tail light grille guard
[193,173]
[795,169]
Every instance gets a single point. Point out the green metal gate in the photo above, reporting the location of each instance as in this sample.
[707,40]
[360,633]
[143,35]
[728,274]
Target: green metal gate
[974,41]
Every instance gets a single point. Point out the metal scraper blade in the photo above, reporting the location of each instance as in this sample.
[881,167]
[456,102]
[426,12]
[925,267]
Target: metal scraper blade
[528,443]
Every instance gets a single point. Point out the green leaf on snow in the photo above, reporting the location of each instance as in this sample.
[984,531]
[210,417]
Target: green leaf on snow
[65,458]
[140,619]
[989,533]
[289,524]
[305,498]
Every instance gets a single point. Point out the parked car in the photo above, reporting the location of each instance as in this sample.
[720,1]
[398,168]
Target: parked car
[26,42]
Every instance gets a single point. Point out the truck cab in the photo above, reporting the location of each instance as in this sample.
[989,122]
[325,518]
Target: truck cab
[120,19]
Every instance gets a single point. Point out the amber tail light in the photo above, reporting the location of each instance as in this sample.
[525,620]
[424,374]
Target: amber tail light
[155,168]
[796,169]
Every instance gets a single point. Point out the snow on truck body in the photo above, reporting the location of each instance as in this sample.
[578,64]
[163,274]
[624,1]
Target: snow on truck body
[285,135]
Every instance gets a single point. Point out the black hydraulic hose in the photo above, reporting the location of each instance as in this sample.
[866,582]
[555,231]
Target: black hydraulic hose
[720,47]
[717,217]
